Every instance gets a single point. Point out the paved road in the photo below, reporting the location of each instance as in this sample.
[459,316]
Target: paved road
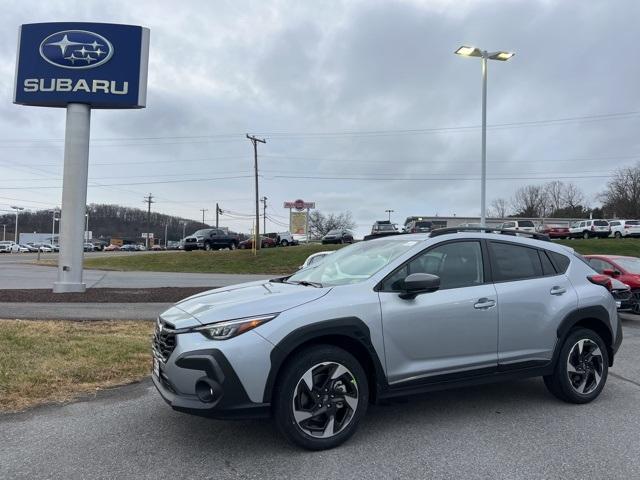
[514,430]
[24,275]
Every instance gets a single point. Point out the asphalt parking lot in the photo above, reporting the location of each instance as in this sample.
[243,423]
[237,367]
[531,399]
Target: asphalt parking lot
[512,430]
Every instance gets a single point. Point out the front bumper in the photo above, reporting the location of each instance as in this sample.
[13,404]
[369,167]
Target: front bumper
[228,399]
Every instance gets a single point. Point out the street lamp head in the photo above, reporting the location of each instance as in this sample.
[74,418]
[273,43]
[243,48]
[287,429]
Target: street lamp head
[467,51]
[502,56]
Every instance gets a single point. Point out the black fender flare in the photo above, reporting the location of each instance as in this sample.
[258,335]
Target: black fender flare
[594,313]
[351,328]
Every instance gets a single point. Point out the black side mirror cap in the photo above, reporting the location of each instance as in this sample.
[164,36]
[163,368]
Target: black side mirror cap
[419,283]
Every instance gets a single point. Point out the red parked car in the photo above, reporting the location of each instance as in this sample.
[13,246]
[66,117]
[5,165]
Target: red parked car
[625,269]
[265,242]
[555,230]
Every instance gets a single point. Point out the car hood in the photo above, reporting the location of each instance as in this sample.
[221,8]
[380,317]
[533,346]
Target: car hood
[239,301]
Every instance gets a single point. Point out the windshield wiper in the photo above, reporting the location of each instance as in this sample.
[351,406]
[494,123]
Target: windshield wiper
[306,283]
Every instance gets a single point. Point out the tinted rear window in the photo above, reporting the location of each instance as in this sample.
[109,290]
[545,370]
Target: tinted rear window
[632,222]
[601,223]
[562,262]
[423,224]
[525,223]
[514,262]
[547,266]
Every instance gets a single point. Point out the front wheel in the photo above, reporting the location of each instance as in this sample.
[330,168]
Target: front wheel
[232,246]
[582,368]
[586,235]
[284,243]
[207,246]
[617,235]
[321,396]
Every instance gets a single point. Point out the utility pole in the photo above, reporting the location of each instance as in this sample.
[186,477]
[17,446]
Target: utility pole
[184,229]
[264,214]
[148,200]
[166,228]
[4,232]
[217,213]
[204,210]
[254,141]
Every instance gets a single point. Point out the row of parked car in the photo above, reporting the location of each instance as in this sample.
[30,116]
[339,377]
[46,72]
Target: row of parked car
[592,228]
[12,247]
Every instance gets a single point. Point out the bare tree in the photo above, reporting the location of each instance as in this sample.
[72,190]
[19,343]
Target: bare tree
[530,201]
[555,195]
[321,224]
[499,208]
[572,196]
[622,196]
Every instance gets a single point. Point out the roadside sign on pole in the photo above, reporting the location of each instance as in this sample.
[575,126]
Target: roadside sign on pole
[79,66]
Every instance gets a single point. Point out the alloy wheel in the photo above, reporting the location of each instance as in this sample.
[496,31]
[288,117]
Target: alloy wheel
[325,400]
[585,366]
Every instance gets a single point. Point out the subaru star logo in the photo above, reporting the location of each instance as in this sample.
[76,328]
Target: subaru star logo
[76,49]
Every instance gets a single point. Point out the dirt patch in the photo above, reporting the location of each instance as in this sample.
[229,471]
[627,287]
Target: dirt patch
[102,295]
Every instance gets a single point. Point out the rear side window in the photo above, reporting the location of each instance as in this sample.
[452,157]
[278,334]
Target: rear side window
[560,261]
[514,262]
[547,266]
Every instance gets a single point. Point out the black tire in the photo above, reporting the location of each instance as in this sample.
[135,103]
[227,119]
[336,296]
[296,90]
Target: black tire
[287,393]
[284,243]
[566,385]
[232,246]
[207,246]
[586,235]
[617,235]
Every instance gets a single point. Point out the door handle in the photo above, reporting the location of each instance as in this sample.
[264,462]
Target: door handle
[558,290]
[484,304]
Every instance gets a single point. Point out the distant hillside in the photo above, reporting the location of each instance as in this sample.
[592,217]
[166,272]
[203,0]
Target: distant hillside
[105,221]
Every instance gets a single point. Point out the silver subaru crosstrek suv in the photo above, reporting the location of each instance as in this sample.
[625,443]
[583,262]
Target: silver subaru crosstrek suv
[384,318]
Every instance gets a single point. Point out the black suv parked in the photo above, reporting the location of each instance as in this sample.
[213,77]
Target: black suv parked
[211,239]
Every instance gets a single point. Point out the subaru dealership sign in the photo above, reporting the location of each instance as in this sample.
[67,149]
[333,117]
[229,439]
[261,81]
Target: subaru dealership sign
[98,64]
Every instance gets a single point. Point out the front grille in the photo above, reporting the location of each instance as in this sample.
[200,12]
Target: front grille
[190,240]
[164,340]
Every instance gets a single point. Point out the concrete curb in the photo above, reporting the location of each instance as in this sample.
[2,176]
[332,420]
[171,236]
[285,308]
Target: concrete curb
[82,311]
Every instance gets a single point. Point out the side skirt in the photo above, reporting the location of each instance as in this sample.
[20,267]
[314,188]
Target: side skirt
[445,382]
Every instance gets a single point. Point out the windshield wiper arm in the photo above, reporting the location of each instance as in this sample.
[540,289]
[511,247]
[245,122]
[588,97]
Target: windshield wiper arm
[306,283]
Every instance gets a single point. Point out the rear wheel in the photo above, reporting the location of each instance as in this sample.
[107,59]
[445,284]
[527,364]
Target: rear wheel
[586,235]
[232,246]
[321,396]
[284,243]
[582,368]
[617,235]
[207,246]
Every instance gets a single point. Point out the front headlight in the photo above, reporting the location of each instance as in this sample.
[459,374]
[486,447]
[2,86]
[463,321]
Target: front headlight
[233,328]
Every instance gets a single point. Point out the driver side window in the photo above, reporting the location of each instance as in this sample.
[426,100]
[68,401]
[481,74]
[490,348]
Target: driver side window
[458,264]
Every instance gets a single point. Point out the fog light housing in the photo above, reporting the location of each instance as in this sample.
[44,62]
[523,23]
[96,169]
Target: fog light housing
[208,391]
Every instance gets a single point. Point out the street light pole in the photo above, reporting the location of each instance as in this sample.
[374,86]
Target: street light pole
[17,209]
[4,232]
[254,141]
[53,226]
[483,180]
[389,212]
[484,55]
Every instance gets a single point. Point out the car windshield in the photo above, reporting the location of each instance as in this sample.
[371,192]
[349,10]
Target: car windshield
[353,264]
[631,265]
[201,233]
[386,227]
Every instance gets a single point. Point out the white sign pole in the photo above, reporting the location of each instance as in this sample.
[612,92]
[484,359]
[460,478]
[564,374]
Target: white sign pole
[74,199]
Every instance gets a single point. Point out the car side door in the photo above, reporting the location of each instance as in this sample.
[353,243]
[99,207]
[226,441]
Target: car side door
[452,331]
[533,298]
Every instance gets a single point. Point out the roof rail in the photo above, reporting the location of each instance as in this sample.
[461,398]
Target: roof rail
[513,233]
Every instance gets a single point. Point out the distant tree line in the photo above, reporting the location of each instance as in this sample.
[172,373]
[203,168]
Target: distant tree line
[105,221]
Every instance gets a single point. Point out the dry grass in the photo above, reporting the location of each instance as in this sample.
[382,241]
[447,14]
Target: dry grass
[57,361]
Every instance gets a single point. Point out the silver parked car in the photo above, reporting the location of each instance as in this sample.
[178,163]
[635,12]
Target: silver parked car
[384,318]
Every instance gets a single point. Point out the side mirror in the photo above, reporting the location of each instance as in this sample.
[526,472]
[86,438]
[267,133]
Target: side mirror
[418,283]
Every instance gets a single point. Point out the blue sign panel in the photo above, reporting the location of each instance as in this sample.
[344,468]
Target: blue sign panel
[100,64]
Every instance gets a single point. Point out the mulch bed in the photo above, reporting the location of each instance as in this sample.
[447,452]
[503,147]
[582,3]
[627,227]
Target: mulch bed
[102,295]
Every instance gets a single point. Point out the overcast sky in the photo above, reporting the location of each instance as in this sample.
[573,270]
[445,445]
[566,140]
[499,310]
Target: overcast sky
[361,103]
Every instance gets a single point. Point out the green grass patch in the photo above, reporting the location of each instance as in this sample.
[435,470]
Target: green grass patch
[268,261]
[605,246]
[56,361]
